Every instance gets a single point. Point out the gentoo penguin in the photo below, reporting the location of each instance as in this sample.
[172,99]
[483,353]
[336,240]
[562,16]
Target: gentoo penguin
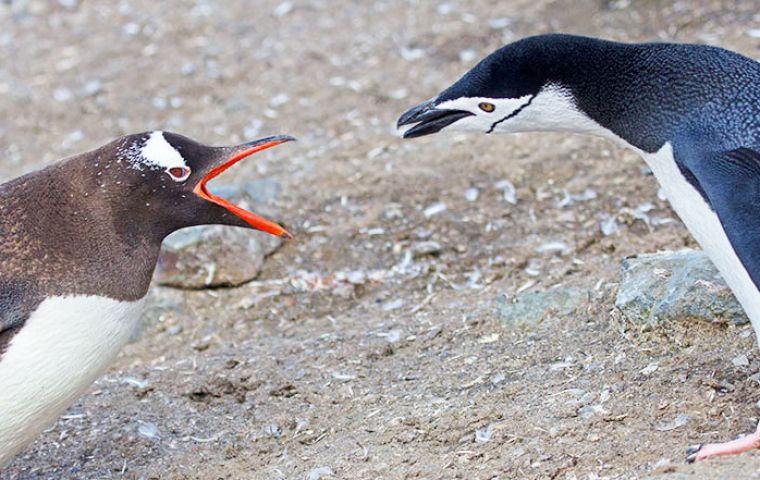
[80,243]
[691,111]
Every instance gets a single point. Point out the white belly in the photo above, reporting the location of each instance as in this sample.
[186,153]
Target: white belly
[704,225]
[64,346]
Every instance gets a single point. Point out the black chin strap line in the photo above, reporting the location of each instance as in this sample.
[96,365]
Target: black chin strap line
[522,107]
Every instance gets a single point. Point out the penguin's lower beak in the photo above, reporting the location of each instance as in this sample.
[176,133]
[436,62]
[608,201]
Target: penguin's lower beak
[239,153]
[428,119]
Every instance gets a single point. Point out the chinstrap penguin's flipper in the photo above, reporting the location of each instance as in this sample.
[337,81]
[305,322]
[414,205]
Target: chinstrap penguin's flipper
[730,181]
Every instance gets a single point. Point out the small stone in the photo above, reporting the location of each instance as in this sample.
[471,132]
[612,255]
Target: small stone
[466,56]
[91,88]
[649,369]
[343,377]
[135,382]
[499,23]
[218,255]
[530,307]
[318,473]
[398,94]
[471,194]
[411,54]
[669,285]
[393,304]
[148,430]
[678,422]
[508,191]
[174,330]
[740,361]
[486,339]
[279,100]
[435,209]
[483,435]
[428,247]
[557,247]
[131,29]
[62,95]
[608,226]
[283,9]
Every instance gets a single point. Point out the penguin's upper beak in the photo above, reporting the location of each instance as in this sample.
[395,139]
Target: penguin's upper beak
[428,119]
[239,153]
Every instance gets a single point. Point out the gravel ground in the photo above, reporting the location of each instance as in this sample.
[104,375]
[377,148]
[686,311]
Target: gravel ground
[370,347]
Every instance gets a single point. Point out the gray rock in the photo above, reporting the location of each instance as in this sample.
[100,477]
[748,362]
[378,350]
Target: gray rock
[669,285]
[216,255]
[531,307]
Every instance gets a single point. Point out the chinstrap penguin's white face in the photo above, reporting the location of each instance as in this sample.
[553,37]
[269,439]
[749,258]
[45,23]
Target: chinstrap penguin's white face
[552,108]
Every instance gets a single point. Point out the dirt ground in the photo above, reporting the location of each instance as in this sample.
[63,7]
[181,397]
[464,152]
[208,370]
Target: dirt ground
[350,358]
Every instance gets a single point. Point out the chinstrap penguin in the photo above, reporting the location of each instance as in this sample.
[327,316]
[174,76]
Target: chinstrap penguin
[80,243]
[691,111]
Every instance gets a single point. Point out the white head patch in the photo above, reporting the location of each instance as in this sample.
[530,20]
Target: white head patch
[483,121]
[156,153]
[552,109]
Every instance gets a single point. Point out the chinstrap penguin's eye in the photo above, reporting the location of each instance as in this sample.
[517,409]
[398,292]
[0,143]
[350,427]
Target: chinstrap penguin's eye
[487,107]
[179,174]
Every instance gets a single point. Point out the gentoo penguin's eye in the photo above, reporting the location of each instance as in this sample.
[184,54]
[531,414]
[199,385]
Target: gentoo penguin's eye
[179,174]
[487,107]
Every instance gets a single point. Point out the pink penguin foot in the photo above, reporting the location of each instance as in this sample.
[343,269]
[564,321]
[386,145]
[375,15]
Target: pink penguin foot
[702,452]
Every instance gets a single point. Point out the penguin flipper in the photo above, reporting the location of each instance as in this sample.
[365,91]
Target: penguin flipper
[15,308]
[730,181]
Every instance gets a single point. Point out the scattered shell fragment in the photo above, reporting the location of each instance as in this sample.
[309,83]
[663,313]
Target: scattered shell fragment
[508,191]
[318,473]
[148,430]
[740,361]
[483,435]
[677,422]
[435,209]
[283,9]
[136,382]
[649,369]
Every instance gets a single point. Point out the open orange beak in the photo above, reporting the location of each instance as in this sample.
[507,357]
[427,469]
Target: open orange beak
[252,219]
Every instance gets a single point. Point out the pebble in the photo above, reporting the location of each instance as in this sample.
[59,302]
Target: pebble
[669,285]
[483,435]
[509,193]
[424,248]
[554,247]
[435,209]
[393,305]
[411,54]
[499,23]
[318,473]
[283,9]
[678,422]
[530,307]
[608,226]
[467,56]
[134,382]
[148,430]
[210,255]
[740,361]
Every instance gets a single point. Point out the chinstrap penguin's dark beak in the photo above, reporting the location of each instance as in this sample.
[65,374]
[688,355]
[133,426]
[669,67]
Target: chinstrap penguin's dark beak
[428,119]
[238,153]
